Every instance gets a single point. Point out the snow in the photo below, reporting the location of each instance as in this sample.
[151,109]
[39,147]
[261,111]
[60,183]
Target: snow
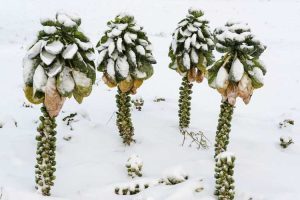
[84,45]
[222,78]
[258,74]
[67,82]
[55,69]
[28,69]
[186,60]
[91,164]
[187,43]
[114,33]
[194,56]
[81,79]
[65,20]
[54,47]
[127,38]
[121,27]
[119,45]
[70,51]
[111,68]
[111,48]
[101,56]
[236,71]
[132,56]
[36,49]
[39,79]
[122,66]
[49,29]
[140,49]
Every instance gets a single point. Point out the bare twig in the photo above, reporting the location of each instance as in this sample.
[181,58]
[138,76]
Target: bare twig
[197,138]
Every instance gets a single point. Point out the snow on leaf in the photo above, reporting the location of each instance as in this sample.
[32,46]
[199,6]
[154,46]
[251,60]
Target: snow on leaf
[66,81]
[39,79]
[186,32]
[186,60]
[127,39]
[140,49]
[91,56]
[183,23]
[111,48]
[132,36]
[114,33]
[132,56]
[187,43]
[194,39]
[122,66]
[194,56]
[54,47]
[46,57]
[200,34]
[70,51]
[143,42]
[191,28]
[111,69]
[222,78]
[81,79]
[204,47]
[49,29]
[197,24]
[101,56]
[258,74]
[65,20]
[28,70]
[84,45]
[121,27]
[36,49]
[136,28]
[149,47]
[236,71]
[139,74]
[119,45]
[55,69]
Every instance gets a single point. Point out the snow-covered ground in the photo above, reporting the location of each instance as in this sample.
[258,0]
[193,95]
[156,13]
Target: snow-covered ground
[92,163]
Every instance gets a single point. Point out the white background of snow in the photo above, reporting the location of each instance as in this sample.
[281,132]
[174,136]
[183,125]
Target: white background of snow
[93,161]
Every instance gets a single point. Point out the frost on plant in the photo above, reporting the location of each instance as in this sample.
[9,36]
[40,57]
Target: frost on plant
[224,176]
[240,70]
[58,65]
[190,53]
[134,166]
[125,58]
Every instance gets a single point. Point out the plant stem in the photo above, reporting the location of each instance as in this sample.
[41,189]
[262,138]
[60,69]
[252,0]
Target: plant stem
[46,146]
[124,122]
[185,103]
[224,128]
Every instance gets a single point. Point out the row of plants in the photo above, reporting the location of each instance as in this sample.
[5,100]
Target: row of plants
[62,64]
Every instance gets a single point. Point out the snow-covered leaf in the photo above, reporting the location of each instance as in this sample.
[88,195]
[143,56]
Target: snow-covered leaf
[222,78]
[186,60]
[28,70]
[36,49]
[70,51]
[84,45]
[101,56]
[111,48]
[54,47]
[111,69]
[194,56]
[140,49]
[65,83]
[121,27]
[122,66]
[46,57]
[236,71]
[54,69]
[187,43]
[39,79]
[119,45]
[127,39]
[49,29]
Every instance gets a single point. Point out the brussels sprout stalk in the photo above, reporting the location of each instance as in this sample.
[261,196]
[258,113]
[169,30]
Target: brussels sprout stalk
[185,103]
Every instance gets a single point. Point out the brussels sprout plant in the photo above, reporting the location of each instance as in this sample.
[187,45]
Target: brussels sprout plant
[125,58]
[190,53]
[58,65]
[236,74]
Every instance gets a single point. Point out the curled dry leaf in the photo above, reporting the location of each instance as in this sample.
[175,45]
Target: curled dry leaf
[232,93]
[108,81]
[53,101]
[126,85]
[199,76]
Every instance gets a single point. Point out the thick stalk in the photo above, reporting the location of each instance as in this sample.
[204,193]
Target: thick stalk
[46,146]
[224,128]
[124,122]
[185,103]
